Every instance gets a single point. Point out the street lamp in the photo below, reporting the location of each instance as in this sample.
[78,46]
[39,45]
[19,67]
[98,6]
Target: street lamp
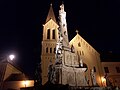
[11,57]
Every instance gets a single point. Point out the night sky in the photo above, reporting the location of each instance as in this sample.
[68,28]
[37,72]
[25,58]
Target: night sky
[98,22]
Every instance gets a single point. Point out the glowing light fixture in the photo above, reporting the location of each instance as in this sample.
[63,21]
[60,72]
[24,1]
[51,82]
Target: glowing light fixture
[25,83]
[103,81]
[11,57]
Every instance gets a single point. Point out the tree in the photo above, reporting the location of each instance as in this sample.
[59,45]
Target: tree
[38,77]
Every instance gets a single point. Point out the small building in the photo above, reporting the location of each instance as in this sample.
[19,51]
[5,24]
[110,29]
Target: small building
[112,73]
[111,68]
[12,78]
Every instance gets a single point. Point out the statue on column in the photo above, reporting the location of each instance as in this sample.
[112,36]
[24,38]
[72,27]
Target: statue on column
[81,63]
[93,77]
[63,26]
[59,49]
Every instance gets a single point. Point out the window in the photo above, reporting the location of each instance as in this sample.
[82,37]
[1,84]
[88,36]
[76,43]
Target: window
[79,45]
[53,34]
[82,53]
[94,69]
[106,69]
[48,34]
[50,50]
[47,50]
[118,69]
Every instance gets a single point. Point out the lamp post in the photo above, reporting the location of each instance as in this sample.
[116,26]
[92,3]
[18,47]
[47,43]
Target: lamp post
[11,56]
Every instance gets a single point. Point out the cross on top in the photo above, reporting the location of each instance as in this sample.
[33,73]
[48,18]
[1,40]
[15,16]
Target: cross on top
[77,31]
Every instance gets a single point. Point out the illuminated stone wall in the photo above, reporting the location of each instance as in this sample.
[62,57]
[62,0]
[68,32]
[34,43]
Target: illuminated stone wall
[72,74]
[89,56]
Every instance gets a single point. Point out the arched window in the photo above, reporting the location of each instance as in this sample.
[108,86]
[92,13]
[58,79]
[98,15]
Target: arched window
[82,53]
[47,50]
[79,45]
[54,50]
[48,34]
[50,50]
[94,69]
[53,34]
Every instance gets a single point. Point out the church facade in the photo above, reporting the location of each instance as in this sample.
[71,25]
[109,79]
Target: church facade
[75,62]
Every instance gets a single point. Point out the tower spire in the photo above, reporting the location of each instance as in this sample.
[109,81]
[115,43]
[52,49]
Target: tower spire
[51,14]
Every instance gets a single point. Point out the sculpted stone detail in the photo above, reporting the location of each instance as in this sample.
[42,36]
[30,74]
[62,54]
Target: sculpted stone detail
[93,77]
[63,25]
[69,68]
[81,63]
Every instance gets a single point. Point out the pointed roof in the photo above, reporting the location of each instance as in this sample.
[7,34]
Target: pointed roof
[2,70]
[6,71]
[51,14]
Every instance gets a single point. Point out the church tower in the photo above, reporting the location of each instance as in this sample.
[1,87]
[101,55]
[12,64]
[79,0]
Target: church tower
[50,37]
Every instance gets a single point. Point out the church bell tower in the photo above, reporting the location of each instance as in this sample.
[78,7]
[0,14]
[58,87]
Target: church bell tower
[50,37]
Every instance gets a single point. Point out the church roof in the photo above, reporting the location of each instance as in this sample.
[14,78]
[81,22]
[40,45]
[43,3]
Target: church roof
[5,69]
[16,77]
[80,37]
[2,70]
[51,14]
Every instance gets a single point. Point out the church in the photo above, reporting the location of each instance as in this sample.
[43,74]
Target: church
[77,63]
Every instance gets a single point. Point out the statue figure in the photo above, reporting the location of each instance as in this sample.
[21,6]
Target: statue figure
[93,78]
[58,48]
[72,49]
[62,8]
[63,25]
[81,63]
[59,51]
